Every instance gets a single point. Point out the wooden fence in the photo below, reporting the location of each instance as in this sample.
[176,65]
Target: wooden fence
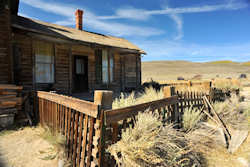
[90,128]
[79,121]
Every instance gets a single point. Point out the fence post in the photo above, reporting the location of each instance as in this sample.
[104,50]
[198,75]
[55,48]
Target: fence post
[104,99]
[175,114]
[189,83]
[168,91]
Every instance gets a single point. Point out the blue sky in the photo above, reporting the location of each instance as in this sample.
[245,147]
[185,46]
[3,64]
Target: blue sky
[193,30]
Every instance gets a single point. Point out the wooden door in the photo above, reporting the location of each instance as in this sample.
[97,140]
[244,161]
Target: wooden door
[80,73]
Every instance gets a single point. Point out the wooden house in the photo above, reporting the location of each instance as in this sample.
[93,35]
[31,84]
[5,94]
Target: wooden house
[43,56]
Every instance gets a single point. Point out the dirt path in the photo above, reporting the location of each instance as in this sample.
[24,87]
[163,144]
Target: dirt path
[25,148]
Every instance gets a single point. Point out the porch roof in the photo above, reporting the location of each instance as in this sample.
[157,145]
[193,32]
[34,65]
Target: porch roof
[72,34]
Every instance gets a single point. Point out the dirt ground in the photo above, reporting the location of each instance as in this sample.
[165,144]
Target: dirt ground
[25,148]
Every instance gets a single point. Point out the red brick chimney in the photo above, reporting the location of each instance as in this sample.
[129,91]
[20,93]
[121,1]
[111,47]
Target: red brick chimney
[78,15]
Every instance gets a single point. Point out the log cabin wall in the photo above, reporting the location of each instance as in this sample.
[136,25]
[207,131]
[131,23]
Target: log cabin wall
[5,46]
[127,68]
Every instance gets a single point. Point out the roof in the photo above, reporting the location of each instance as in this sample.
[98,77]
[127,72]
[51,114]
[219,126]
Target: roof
[71,33]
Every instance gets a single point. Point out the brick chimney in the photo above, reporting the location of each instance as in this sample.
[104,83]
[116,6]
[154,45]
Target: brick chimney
[78,15]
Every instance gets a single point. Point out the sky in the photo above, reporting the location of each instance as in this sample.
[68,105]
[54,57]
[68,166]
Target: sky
[192,30]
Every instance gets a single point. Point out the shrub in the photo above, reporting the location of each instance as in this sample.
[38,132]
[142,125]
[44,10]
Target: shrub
[233,112]
[191,117]
[243,76]
[180,78]
[152,84]
[150,143]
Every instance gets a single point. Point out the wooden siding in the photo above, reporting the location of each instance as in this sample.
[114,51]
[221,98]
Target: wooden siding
[127,68]
[24,45]
[62,69]
[5,58]
[132,71]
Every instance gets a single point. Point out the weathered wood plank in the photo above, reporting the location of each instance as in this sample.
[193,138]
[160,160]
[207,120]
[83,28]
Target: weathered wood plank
[84,141]
[79,140]
[73,103]
[90,140]
[123,113]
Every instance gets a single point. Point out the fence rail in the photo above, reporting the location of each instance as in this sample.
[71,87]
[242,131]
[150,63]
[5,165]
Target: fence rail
[115,115]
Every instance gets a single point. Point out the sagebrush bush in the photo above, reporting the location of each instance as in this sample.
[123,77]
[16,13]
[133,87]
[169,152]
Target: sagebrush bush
[151,143]
[191,117]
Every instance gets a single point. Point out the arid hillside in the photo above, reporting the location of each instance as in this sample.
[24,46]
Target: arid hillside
[170,70]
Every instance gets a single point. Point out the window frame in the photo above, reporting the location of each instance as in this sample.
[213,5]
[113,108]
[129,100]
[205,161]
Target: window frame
[110,55]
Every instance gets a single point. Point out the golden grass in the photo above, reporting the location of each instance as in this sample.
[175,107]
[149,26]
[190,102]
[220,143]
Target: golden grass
[124,100]
[234,113]
[222,62]
[164,71]
[150,143]
[246,63]
[227,84]
[191,118]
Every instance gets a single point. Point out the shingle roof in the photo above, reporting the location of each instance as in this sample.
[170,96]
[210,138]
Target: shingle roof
[71,33]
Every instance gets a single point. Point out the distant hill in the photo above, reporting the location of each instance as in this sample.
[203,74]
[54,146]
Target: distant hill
[170,70]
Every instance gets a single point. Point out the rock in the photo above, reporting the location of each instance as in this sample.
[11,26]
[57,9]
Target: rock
[180,79]
[244,162]
[243,76]
[237,138]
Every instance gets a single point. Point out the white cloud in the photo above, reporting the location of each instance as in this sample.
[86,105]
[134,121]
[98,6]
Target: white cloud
[91,20]
[179,24]
[104,23]
[173,13]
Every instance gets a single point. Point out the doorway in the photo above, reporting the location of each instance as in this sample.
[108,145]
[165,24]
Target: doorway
[80,73]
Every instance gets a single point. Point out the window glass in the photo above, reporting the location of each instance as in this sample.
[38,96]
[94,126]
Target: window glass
[80,66]
[104,66]
[44,57]
[111,67]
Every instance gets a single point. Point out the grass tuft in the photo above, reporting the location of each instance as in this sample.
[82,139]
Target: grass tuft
[191,118]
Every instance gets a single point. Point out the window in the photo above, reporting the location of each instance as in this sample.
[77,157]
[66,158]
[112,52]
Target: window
[44,65]
[104,66]
[80,66]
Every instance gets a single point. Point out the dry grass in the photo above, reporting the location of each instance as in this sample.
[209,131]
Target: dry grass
[165,71]
[234,113]
[191,118]
[150,143]
[124,100]
[227,84]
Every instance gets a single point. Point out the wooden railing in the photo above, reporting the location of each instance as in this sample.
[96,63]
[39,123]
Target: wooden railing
[79,121]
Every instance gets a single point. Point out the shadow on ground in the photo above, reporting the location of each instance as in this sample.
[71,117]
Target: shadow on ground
[2,163]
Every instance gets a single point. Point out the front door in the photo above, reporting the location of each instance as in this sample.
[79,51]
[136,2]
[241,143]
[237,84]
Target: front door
[80,73]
